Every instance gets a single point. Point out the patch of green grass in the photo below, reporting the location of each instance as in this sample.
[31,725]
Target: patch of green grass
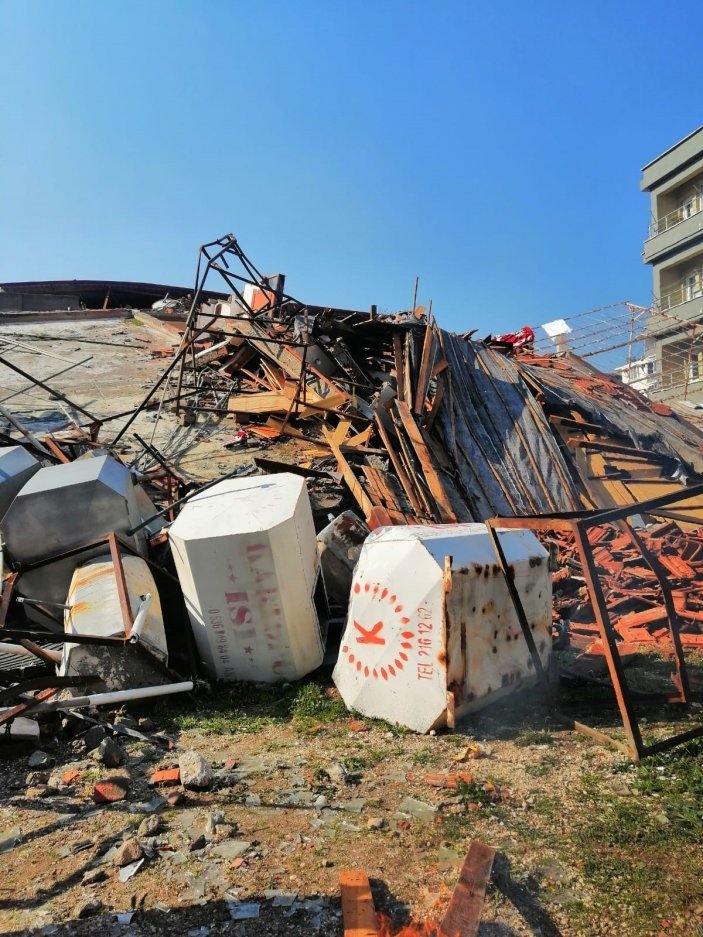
[640,853]
[396,731]
[249,708]
[543,767]
[533,737]
[547,807]
[221,710]
[423,757]
[367,758]
[474,792]
[311,705]
[641,887]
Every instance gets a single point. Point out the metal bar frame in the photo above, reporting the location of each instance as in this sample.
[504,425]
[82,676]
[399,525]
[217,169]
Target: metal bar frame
[578,523]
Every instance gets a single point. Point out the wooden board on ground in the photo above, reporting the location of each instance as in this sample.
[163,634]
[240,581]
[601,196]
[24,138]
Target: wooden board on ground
[358,912]
[463,915]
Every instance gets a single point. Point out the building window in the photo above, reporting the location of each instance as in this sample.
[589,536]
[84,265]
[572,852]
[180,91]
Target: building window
[692,285]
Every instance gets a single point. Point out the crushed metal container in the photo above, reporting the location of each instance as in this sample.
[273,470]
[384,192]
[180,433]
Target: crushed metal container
[63,508]
[71,505]
[246,557]
[431,632]
[340,545]
[17,466]
[94,609]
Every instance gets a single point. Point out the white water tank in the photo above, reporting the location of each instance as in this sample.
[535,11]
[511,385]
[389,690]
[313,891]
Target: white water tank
[247,560]
[431,631]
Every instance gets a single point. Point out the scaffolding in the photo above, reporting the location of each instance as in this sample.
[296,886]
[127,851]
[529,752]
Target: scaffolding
[652,349]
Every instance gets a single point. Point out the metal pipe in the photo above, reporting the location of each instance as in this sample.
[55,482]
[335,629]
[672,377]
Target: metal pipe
[25,432]
[191,494]
[115,698]
[50,390]
[139,619]
[18,651]
[23,600]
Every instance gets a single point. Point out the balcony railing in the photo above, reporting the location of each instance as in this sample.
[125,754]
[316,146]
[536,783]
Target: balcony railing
[681,294]
[692,207]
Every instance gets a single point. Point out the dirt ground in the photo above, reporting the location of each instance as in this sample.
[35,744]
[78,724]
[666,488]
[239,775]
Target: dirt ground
[587,843]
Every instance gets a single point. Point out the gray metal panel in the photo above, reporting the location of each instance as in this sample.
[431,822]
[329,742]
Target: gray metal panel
[17,466]
[67,506]
[76,473]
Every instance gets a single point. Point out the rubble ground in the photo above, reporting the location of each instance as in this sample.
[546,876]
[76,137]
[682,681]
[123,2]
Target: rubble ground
[264,793]
[588,844]
[125,362]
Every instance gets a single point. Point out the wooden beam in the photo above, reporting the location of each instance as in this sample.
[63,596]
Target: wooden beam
[358,912]
[463,916]
[425,373]
[341,431]
[399,368]
[399,468]
[353,483]
[434,482]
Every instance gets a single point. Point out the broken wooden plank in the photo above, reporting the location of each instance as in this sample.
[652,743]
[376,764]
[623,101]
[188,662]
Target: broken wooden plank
[425,373]
[353,483]
[265,432]
[272,467]
[398,467]
[434,482]
[362,438]
[257,403]
[463,916]
[276,376]
[399,366]
[341,431]
[286,357]
[358,912]
[380,487]
[278,424]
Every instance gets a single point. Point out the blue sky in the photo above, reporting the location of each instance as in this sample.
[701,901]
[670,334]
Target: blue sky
[493,149]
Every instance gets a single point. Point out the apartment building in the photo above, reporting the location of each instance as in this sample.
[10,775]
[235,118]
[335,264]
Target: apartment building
[674,249]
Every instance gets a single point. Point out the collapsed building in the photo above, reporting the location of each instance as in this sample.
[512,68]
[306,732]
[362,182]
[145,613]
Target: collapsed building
[440,446]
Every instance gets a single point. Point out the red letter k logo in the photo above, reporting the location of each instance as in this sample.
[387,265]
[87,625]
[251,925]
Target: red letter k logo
[370,635]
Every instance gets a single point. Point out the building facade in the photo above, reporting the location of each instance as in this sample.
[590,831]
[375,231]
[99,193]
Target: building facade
[674,249]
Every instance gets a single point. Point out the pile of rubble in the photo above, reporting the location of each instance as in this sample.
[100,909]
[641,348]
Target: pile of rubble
[138,581]
[633,596]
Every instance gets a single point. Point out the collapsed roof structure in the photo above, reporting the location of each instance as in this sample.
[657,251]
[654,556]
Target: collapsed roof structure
[428,427]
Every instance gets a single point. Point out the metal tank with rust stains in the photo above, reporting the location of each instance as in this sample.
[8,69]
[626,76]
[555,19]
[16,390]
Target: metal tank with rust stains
[431,632]
[94,608]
